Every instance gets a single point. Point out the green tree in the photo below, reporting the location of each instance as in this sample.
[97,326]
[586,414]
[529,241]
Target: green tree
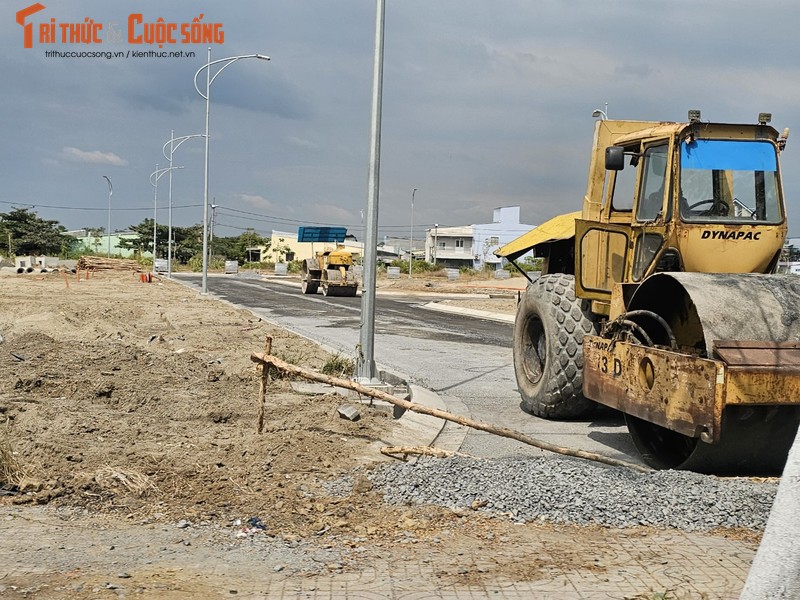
[25,233]
[235,248]
[187,241]
[249,239]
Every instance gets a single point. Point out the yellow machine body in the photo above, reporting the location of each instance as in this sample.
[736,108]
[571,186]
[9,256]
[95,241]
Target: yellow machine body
[692,335]
[332,270]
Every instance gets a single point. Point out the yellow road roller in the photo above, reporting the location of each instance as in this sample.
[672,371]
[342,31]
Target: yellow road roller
[332,270]
[660,298]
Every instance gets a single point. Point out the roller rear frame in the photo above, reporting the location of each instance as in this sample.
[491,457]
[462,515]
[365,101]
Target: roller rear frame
[686,393]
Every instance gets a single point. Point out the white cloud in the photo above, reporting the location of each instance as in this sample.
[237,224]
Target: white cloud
[93,157]
[256,201]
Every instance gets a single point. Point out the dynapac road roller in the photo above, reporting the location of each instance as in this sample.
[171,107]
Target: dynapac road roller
[660,298]
[333,270]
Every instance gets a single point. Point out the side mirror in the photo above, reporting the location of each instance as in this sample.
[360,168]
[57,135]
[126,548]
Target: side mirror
[615,158]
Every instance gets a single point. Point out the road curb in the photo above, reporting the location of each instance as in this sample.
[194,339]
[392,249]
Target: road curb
[472,312]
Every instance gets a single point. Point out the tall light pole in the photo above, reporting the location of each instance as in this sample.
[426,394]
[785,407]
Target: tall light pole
[108,233]
[411,237]
[207,97]
[154,177]
[435,241]
[173,146]
[365,365]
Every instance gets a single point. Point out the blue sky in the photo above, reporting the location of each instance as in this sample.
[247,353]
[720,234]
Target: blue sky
[486,104]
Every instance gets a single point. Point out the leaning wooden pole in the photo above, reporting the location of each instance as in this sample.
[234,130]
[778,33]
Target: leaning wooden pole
[266,359]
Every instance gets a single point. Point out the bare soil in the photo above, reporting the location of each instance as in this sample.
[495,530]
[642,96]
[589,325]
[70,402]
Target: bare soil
[128,421]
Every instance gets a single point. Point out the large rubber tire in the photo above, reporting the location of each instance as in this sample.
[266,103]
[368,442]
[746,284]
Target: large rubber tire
[548,348]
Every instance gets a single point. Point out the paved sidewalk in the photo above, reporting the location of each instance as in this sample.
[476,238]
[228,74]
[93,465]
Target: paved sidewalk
[89,558]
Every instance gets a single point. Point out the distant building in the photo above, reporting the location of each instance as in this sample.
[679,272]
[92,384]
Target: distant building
[473,246]
[99,244]
[789,259]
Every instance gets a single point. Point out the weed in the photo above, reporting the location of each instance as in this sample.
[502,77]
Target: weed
[339,366]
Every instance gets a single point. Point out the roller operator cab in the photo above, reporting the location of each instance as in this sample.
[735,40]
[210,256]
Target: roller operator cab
[660,299]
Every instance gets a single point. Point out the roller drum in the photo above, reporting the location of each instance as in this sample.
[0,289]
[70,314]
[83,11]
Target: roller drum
[701,309]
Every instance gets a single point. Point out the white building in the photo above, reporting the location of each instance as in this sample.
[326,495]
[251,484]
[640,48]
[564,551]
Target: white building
[473,246]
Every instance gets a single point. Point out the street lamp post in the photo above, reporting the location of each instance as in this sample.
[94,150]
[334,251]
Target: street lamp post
[108,233]
[603,114]
[366,373]
[172,148]
[207,97]
[411,237]
[154,177]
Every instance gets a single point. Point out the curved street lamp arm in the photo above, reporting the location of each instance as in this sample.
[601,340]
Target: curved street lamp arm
[156,175]
[180,140]
[228,61]
[110,187]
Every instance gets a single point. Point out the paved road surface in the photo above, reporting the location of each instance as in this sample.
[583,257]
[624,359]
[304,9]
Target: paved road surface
[467,361]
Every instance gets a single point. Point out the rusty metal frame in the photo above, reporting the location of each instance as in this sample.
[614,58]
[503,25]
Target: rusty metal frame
[686,393]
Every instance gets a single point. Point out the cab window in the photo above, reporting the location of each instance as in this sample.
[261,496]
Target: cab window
[654,179]
[625,182]
[730,181]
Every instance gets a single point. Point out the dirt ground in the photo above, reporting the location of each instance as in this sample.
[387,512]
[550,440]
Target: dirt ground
[128,411]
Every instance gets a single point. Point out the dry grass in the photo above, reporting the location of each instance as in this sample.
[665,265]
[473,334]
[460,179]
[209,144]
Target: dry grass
[11,473]
[133,481]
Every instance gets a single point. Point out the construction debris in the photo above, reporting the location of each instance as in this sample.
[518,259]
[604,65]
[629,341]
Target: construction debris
[98,263]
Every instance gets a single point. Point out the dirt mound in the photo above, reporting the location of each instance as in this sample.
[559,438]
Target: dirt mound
[140,399]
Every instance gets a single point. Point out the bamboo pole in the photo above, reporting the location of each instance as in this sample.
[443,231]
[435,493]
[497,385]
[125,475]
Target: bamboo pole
[421,451]
[266,359]
[262,388]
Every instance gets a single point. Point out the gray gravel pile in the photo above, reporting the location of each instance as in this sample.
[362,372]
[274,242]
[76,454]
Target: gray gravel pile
[561,490]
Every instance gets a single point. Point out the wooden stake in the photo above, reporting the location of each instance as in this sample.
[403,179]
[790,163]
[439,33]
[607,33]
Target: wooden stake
[421,451]
[64,273]
[266,359]
[262,388]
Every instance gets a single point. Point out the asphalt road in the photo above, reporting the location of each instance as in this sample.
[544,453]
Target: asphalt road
[467,361]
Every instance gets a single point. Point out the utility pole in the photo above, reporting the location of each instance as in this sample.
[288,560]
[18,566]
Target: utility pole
[411,237]
[211,228]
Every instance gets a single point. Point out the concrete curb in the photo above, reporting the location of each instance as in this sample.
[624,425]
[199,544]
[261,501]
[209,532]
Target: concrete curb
[472,312]
[416,429]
